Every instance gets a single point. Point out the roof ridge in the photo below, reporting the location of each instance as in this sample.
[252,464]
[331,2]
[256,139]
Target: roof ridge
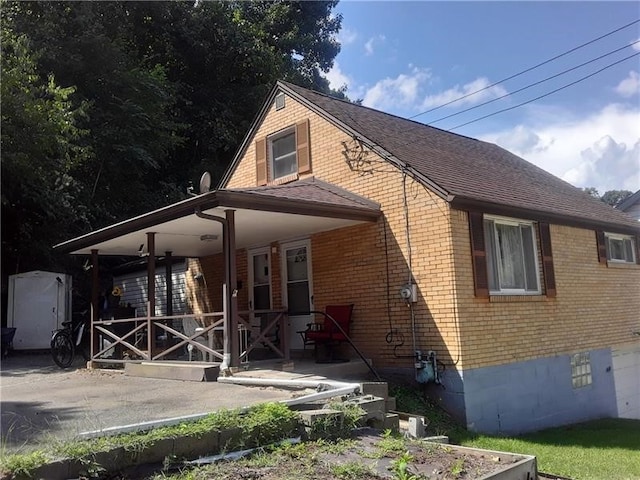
[371,109]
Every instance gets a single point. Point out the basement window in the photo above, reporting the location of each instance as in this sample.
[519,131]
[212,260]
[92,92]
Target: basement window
[580,370]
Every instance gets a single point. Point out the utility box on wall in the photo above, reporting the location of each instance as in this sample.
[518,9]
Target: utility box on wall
[38,303]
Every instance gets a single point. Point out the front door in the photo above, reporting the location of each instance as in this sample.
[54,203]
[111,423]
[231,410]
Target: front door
[297,289]
[259,263]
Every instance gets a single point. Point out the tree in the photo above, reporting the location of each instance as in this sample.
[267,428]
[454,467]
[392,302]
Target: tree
[610,197]
[110,109]
[614,197]
[40,147]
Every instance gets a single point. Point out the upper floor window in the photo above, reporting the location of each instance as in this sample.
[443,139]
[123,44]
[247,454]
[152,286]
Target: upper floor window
[620,248]
[282,156]
[512,257]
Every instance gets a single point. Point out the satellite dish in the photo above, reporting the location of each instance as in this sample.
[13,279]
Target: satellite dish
[205,182]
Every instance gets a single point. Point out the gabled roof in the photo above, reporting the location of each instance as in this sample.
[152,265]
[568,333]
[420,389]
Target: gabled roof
[629,201]
[468,173]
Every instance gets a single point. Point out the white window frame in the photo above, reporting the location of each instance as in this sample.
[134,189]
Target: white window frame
[272,160]
[608,237]
[490,255]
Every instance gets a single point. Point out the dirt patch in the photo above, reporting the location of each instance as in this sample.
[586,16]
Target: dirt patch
[369,455]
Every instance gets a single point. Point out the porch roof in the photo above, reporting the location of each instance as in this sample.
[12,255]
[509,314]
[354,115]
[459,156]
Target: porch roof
[262,215]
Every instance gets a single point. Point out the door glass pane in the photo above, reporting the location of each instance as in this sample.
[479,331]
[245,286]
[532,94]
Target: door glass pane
[261,297]
[298,295]
[261,269]
[261,282]
[297,264]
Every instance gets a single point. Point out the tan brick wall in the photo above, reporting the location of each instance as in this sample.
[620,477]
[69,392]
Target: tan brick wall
[350,265]
[596,306]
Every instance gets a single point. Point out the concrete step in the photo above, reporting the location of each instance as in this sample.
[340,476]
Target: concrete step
[190,371]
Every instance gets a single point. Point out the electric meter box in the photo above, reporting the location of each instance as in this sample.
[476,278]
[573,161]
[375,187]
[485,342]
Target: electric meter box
[37,305]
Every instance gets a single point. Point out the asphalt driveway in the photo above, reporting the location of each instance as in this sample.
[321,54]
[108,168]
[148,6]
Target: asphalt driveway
[40,402]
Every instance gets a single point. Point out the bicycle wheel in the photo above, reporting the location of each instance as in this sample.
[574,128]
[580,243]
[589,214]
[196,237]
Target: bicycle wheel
[62,349]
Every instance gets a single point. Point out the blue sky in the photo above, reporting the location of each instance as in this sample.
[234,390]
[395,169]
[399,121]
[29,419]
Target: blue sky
[407,57]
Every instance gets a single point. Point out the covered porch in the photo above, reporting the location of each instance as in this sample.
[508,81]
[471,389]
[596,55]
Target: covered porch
[214,224]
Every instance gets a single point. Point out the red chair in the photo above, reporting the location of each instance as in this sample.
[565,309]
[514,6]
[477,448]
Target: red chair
[326,332]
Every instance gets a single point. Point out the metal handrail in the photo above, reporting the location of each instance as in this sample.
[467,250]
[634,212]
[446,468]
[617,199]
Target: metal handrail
[335,322]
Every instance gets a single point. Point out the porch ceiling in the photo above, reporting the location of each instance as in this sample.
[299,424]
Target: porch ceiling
[261,216]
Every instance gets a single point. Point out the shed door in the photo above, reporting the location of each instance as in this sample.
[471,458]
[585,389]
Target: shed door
[626,375]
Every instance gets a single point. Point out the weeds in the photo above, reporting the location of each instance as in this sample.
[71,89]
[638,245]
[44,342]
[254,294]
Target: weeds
[352,470]
[400,468]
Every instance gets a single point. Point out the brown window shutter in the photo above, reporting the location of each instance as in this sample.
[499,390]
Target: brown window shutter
[261,161]
[480,278]
[638,249]
[602,247]
[302,146]
[547,259]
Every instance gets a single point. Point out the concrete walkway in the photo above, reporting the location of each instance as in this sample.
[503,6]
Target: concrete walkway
[40,402]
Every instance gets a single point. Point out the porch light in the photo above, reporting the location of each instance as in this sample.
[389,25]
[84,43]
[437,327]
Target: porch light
[208,237]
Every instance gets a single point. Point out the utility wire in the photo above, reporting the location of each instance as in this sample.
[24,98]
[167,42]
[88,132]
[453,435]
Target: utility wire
[533,84]
[527,70]
[546,94]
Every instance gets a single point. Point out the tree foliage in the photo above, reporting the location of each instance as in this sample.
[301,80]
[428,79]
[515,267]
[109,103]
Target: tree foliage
[41,146]
[110,109]
[610,197]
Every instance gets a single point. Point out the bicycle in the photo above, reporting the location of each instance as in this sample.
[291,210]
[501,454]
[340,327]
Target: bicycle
[66,340]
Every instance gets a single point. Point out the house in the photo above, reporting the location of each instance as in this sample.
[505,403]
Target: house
[631,205]
[511,293]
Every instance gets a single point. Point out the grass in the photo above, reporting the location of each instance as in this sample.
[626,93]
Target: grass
[607,448]
[599,449]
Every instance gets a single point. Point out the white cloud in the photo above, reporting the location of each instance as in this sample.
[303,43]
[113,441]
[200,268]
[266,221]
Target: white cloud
[391,93]
[608,164]
[337,78]
[600,150]
[458,92]
[629,86]
[368,47]
[373,41]
[636,45]
[346,36]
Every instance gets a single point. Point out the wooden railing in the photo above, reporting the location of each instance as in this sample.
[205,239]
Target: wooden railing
[135,339]
[274,334]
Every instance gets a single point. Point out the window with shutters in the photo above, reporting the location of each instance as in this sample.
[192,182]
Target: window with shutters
[511,255]
[282,156]
[620,248]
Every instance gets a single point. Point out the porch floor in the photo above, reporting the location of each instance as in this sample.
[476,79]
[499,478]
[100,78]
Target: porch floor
[307,369]
[298,368]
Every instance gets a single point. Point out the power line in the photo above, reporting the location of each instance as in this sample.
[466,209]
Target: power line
[534,84]
[527,70]
[546,94]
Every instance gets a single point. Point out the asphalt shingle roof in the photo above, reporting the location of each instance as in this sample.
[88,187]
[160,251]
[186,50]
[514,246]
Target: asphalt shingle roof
[466,168]
[314,190]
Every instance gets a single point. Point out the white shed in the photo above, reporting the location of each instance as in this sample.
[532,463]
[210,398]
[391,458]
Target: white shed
[37,305]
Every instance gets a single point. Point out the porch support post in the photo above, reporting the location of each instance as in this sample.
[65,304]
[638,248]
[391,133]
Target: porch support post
[151,287]
[168,257]
[95,300]
[95,285]
[232,289]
